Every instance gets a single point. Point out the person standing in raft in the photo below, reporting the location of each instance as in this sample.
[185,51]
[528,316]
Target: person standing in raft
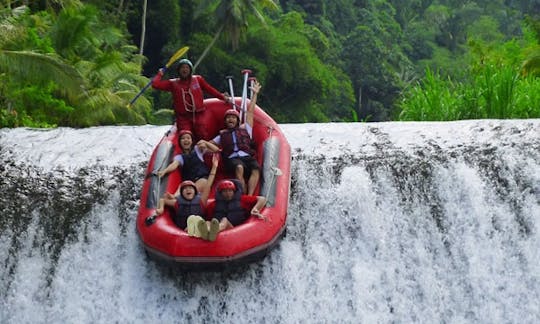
[189,207]
[191,160]
[232,208]
[188,94]
[237,145]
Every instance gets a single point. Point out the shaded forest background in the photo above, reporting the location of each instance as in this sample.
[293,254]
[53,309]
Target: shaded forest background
[78,63]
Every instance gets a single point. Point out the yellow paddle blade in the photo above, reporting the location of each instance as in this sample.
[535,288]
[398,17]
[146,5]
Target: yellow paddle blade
[177,55]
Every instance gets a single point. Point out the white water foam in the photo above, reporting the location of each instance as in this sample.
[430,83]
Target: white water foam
[388,222]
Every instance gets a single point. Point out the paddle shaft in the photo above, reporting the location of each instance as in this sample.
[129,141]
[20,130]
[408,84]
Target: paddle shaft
[173,58]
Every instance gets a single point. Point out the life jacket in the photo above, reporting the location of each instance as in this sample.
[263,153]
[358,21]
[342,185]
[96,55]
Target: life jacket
[190,99]
[193,168]
[187,208]
[231,208]
[243,141]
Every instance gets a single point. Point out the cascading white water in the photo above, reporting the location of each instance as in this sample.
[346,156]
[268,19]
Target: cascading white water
[388,222]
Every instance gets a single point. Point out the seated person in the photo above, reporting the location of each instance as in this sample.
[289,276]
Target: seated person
[189,207]
[231,208]
[191,161]
[236,143]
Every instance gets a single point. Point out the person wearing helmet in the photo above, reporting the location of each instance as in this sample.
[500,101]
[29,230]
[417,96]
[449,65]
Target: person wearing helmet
[236,144]
[188,94]
[231,208]
[189,207]
[191,160]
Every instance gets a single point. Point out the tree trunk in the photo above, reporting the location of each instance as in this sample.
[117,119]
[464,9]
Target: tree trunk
[207,49]
[143,28]
[359,102]
[120,7]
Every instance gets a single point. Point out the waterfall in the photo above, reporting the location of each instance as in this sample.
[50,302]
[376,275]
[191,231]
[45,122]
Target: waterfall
[387,222]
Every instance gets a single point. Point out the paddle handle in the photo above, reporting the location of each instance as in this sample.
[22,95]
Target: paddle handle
[140,93]
[173,58]
[231,88]
[243,105]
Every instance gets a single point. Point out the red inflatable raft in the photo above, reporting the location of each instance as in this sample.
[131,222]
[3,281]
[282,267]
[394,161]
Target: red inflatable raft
[164,241]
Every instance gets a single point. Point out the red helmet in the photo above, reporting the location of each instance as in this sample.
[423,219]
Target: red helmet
[232,112]
[187,183]
[184,132]
[226,184]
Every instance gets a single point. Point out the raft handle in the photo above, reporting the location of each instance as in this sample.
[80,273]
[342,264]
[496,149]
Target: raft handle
[150,220]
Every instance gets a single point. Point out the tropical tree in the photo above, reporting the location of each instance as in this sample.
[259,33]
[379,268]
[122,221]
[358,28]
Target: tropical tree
[531,65]
[298,85]
[68,69]
[374,60]
[231,18]
[39,66]
[101,54]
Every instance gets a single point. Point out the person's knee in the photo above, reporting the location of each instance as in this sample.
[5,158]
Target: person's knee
[200,184]
[239,169]
[224,224]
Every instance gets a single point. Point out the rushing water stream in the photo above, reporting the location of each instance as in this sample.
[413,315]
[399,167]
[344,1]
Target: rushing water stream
[388,223]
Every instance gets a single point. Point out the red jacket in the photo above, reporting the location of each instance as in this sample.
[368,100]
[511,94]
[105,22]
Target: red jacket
[187,94]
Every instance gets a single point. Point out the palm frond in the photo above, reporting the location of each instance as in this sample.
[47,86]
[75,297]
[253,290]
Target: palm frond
[531,66]
[205,6]
[32,67]
[72,35]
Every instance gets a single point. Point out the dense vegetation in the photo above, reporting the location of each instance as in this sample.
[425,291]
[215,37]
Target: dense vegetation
[78,63]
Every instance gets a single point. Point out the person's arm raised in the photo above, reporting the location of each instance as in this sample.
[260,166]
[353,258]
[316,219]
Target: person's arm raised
[211,177]
[253,102]
[207,145]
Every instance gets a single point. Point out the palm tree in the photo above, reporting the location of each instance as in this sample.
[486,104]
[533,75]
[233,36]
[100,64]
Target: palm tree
[31,66]
[98,53]
[91,68]
[531,66]
[231,18]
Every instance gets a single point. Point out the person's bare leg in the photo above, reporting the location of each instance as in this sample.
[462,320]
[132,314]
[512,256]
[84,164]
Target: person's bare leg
[239,172]
[201,184]
[224,224]
[252,182]
[161,206]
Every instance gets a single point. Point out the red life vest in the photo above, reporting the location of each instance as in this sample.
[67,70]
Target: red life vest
[187,95]
[243,141]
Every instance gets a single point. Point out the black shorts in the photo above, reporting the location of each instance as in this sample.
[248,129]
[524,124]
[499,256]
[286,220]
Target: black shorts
[248,162]
[195,179]
[234,220]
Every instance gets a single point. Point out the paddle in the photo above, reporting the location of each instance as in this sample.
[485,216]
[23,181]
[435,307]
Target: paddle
[173,59]
[243,105]
[231,89]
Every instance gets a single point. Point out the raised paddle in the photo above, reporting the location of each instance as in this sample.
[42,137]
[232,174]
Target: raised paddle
[173,59]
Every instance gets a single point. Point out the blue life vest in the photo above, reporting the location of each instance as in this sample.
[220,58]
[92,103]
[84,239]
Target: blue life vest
[230,208]
[193,168]
[187,208]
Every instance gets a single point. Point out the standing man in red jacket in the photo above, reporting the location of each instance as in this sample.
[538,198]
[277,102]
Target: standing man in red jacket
[188,95]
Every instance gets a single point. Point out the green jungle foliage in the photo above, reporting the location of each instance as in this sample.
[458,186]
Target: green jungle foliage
[500,83]
[79,63]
